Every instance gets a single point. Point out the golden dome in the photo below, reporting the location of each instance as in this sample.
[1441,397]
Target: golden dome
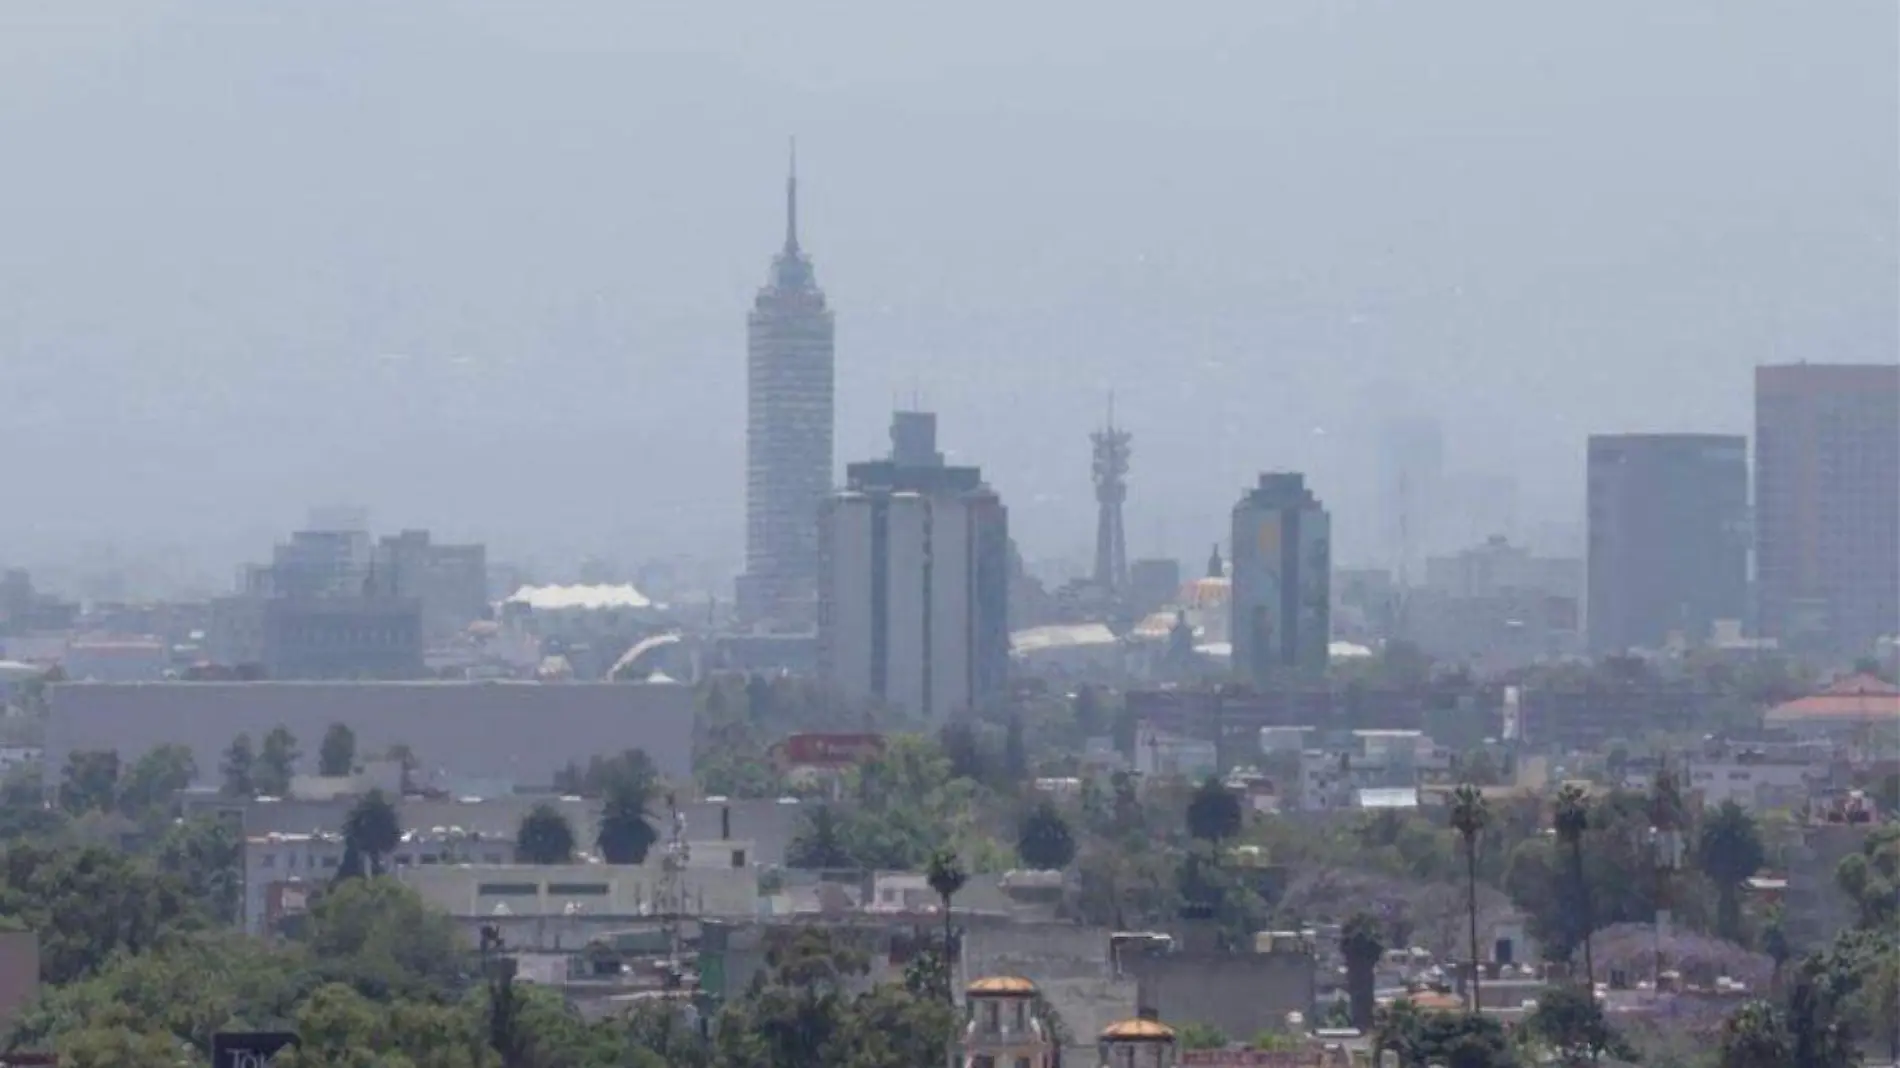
[1138,1031]
[1002,986]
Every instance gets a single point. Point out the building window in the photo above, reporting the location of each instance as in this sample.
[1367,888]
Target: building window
[738,858]
[507,889]
[577,889]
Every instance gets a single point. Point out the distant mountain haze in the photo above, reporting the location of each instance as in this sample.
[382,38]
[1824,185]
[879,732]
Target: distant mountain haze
[484,266]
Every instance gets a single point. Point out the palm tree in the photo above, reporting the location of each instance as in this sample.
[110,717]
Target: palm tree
[371,830]
[946,877]
[1360,942]
[1572,819]
[545,837]
[1468,817]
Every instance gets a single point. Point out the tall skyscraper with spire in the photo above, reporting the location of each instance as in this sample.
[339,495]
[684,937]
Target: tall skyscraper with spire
[789,408]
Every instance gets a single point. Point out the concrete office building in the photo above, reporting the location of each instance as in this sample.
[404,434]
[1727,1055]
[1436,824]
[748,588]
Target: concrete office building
[1282,580]
[914,602]
[517,733]
[1668,521]
[1827,504]
[332,604]
[369,637]
[449,582]
[789,406]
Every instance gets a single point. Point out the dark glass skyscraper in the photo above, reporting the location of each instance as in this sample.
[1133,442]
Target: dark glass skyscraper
[1282,581]
[1668,518]
[789,411]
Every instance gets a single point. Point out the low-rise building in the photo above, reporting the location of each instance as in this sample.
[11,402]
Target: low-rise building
[518,733]
[1758,777]
[1373,765]
[564,906]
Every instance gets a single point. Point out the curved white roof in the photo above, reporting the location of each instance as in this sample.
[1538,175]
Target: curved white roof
[549,598]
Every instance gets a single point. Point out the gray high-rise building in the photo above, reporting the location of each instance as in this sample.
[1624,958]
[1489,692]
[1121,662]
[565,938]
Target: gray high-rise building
[1282,580]
[1668,522]
[789,410]
[914,595]
[1827,504]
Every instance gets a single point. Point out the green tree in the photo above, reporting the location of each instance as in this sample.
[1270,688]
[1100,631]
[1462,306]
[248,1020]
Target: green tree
[150,787]
[545,837]
[377,936]
[1469,815]
[1572,819]
[891,1027]
[1362,943]
[372,830]
[1043,837]
[819,845]
[276,763]
[186,988]
[336,756]
[1213,813]
[795,1017]
[1756,1036]
[1195,1035]
[341,1028]
[90,781]
[1729,850]
[88,904]
[24,814]
[1569,1020]
[207,855]
[239,768]
[626,831]
[946,877]
[1397,1027]
[1871,877]
[631,768]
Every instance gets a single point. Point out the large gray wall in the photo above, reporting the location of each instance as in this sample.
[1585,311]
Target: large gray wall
[514,731]
[1242,994]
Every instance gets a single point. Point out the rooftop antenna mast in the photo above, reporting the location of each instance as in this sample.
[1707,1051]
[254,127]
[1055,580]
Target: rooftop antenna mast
[672,889]
[1110,450]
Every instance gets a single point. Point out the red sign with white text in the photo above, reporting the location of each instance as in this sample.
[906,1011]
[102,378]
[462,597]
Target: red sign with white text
[828,750]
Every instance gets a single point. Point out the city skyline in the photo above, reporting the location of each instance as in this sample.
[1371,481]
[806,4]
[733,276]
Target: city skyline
[319,332]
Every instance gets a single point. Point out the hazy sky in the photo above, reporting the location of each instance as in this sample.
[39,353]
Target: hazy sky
[484,266]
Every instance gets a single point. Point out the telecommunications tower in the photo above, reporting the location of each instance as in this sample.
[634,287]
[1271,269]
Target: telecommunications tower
[1110,447]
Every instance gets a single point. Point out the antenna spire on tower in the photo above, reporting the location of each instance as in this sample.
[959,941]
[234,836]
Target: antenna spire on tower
[791,199]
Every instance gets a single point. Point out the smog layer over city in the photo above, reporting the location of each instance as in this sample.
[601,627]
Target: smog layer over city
[1311,533]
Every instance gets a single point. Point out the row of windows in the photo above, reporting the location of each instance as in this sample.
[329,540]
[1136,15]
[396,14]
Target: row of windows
[533,889]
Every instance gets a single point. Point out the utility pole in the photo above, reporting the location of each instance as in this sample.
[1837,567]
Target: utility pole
[672,889]
[1665,803]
